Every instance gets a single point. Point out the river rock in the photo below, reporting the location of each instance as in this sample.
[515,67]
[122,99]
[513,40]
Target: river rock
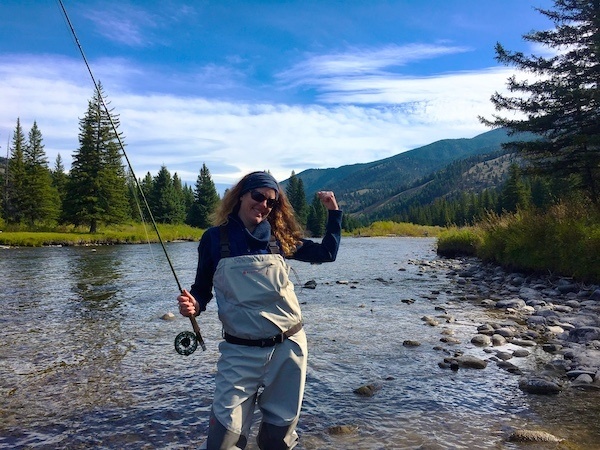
[504,356]
[486,328]
[168,316]
[367,390]
[532,436]
[584,334]
[310,284]
[513,303]
[539,386]
[498,340]
[506,332]
[430,321]
[449,340]
[410,343]
[481,340]
[337,430]
[523,342]
[469,362]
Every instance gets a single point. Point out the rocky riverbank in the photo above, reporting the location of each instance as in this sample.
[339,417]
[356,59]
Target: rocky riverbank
[553,315]
[558,314]
[545,330]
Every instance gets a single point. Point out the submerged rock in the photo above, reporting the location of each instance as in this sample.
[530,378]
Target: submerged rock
[367,390]
[539,386]
[342,429]
[310,284]
[532,436]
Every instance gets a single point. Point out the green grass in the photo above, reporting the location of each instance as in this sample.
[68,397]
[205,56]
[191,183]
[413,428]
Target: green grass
[459,242]
[565,241]
[389,228]
[110,235]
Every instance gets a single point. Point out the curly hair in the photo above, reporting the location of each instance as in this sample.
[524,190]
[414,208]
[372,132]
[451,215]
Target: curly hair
[284,225]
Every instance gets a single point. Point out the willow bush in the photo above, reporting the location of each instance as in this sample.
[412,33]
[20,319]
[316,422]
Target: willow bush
[390,228]
[459,242]
[563,240]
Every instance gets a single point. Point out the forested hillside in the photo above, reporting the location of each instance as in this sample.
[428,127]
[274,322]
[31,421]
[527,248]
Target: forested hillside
[444,170]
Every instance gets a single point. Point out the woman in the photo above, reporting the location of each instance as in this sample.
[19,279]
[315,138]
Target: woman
[242,258]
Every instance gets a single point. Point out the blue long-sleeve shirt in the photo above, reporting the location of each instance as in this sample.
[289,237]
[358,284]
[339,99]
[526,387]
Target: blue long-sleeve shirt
[242,242]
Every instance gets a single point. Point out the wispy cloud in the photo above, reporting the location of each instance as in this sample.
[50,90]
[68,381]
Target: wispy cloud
[124,23]
[361,119]
[320,69]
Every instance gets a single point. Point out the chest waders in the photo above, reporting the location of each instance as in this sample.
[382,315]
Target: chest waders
[264,350]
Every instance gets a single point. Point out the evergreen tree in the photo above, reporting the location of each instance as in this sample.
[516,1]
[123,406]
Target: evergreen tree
[188,198]
[97,186]
[166,205]
[297,197]
[15,197]
[115,202]
[41,202]
[562,105]
[206,200]
[316,218]
[59,180]
[514,193]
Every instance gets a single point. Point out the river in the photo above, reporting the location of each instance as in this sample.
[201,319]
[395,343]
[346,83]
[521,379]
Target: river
[87,362]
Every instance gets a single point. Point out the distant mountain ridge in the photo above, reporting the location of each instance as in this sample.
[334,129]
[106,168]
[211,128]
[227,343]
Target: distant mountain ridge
[364,188]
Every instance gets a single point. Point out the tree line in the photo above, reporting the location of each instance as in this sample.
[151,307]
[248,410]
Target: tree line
[99,189]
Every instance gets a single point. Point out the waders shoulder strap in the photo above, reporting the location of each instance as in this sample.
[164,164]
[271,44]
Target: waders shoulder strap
[226,252]
[224,242]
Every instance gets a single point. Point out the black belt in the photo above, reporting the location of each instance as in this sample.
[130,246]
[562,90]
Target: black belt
[267,342]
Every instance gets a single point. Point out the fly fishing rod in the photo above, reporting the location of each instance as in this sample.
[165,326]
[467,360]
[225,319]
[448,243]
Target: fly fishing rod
[186,342]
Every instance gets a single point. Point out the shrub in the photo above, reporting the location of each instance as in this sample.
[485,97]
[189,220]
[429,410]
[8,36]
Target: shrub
[459,242]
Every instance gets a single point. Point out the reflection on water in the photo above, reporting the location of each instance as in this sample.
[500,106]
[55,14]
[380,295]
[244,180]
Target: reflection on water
[86,361]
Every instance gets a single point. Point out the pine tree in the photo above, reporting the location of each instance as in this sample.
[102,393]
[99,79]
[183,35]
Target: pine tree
[97,186]
[166,205]
[114,187]
[297,197]
[41,203]
[514,194]
[59,179]
[14,200]
[562,105]
[316,218]
[206,200]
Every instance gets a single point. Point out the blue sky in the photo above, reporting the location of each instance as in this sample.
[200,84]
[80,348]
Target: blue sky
[250,85]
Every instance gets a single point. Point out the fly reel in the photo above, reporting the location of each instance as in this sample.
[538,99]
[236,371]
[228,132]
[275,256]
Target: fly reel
[186,343]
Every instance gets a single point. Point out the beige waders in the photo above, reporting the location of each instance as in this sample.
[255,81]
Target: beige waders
[263,359]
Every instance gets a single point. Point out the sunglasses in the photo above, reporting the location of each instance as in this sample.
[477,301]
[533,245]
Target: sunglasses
[258,197]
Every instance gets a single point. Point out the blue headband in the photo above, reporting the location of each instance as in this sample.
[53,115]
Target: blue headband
[260,180]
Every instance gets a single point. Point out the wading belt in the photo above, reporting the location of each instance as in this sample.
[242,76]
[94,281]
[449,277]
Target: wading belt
[270,341]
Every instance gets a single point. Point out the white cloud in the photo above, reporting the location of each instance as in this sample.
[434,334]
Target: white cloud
[363,119]
[318,69]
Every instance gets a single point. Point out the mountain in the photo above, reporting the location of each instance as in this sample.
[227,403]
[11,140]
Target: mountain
[426,172]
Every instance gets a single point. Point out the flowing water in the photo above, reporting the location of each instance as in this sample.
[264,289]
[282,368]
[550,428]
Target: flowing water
[87,362]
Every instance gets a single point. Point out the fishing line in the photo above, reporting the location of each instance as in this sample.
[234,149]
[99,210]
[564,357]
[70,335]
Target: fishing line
[186,342]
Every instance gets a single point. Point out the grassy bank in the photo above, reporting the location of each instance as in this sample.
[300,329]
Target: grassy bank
[139,233]
[389,228]
[565,240]
[117,234]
